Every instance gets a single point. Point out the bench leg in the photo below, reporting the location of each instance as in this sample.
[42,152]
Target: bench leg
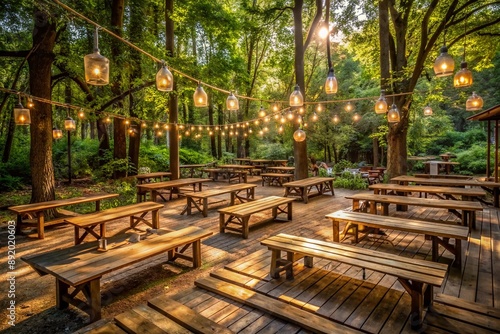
[335,224]
[155,219]
[289,205]
[244,226]
[415,289]
[221,223]
[205,207]
[435,248]
[95,300]
[275,256]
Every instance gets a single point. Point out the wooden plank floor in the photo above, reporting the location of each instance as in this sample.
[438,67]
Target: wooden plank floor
[377,304]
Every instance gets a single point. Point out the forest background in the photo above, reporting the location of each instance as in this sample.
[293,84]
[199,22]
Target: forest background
[249,47]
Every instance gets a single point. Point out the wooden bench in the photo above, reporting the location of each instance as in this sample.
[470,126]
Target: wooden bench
[240,214]
[466,194]
[212,173]
[468,208]
[440,233]
[199,200]
[136,212]
[37,210]
[82,266]
[236,175]
[172,186]
[276,179]
[149,178]
[302,188]
[418,277]
[444,176]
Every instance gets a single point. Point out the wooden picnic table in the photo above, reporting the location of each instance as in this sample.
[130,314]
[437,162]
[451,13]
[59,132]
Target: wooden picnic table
[466,194]
[302,188]
[490,186]
[171,186]
[38,211]
[148,177]
[280,163]
[82,266]
[447,165]
[237,169]
[280,169]
[192,168]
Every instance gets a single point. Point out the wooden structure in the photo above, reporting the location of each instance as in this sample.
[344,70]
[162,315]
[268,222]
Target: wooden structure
[37,210]
[240,214]
[466,194]
[136,213]
[199,200]
[150,177]
[171,186]
[439,233]
[468,208]
[490,186]
[276,179]
[302,188]
[492,116]
[418,277]
[82,266]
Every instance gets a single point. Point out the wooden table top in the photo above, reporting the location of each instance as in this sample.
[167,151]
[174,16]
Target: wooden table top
[429,189]
[193,166]
[41,206]
[287,169]
[308,181]
[235,166]
[445,182]
[82,263]
[173,183]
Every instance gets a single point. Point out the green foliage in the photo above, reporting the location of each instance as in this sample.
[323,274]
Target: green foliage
[15,173]
[187,156]
[156,157]
[351,181]
[271,151]
[83,158]
[342,165]
[472,161]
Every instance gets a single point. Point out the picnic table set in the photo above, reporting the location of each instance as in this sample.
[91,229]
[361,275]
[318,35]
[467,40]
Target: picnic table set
[95,253]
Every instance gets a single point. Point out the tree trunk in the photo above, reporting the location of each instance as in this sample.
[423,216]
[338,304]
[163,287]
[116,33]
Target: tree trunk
[119,136]
[299,148]
[40,72]
[376,150]
[172,101]
[219,137]
[213,147]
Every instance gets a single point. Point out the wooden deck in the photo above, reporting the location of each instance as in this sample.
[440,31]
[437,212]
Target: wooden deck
[335,291]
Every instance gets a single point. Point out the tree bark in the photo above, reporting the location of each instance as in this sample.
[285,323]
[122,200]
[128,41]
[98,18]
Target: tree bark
[213,147]
[40,72]
[172,101]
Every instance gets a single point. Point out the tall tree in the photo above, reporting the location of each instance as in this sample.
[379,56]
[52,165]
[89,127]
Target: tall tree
[40,66]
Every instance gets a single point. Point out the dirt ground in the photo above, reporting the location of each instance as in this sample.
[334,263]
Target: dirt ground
[120,290]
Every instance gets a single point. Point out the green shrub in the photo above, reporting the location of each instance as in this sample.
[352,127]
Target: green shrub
[472,161]
[272,151]
[351,181]
[342,165]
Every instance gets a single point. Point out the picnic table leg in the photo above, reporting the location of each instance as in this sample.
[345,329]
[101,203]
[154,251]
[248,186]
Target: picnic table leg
[336,231]
[304,194]
[155,219]
[275,256]
[77,235]
[94,300]
[205,207]
[416,305]
[61,290]
[355,205]
[435,248]
[102,229]
[245,228]
[289,210]
[41,224]
[197,254]
[221,222]
[458,252]
[98,205]
[19,222]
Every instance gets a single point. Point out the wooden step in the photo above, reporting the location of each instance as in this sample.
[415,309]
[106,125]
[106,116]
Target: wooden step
[103,326]
[186,317]
[469,306]
[143,319]
[273,306]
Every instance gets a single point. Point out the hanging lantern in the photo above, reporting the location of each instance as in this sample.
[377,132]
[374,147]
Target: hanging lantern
[349,107]
[336,119]
[200,97]
[56,133]
[381,104]
[69,124]
[393,114]
[296,98]
[356,117]
[30,103]
[427,111]
[21,114]
[232,102]
[164,79]
[474,102]
[262,111]
[299,135]
[463,78]
[444,63]
[331,82]
[96,65]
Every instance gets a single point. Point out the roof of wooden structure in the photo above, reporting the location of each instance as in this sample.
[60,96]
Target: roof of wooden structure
[492,114]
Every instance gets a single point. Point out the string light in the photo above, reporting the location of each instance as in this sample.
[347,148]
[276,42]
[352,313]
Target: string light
[331,85]
[381,104]
[356,117]
[81,113]
[30,103]
[393,114]
[336,119]
[299,135]
[427,111]
[349,107]
[164,79]
[232,102]
[200,97]
[296,98]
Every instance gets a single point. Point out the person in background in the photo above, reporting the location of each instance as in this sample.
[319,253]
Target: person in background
[316,165]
